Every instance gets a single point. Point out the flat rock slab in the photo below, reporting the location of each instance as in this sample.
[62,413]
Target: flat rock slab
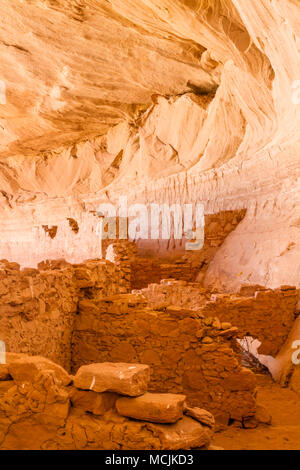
[25,368]
[122,378]
[153,407]
[93,402]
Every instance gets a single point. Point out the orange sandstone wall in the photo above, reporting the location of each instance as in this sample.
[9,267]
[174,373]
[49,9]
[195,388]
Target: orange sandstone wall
[38,306]
[265,314]
[37,311]
[190,295]
[41,409]
[187,353]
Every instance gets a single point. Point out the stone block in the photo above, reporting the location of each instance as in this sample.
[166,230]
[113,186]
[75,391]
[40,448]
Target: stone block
[153,407]
[122,378]
[25,368]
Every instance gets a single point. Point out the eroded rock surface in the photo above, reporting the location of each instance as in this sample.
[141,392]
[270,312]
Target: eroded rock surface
[154,407]
[37,413]
[152,100]
[164,102]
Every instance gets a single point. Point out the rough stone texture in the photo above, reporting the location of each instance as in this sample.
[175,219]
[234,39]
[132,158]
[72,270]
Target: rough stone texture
[262,416]
[96,279]
[95,403]
[265,314]
[37,414]
[203,416]
[268,315]
[187,353]
[125,379]
[170,292]
[146,271]
[164,101]
[37,310]
[153,407]
[38,306]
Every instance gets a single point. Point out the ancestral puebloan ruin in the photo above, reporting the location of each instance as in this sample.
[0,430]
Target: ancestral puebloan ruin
[150,224]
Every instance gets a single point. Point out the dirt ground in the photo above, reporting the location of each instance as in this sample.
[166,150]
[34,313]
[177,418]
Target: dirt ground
[283,434]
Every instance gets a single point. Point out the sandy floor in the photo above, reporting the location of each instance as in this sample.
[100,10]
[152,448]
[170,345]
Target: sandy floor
[284,432]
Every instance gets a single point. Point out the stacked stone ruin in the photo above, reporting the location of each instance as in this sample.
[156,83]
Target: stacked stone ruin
[251,309]
[104,406]
[79,315]
[188,353]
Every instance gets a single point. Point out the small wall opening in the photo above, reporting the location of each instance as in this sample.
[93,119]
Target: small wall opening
[251,359]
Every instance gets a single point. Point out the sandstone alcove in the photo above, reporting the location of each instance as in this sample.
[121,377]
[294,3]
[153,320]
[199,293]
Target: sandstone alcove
[150,224]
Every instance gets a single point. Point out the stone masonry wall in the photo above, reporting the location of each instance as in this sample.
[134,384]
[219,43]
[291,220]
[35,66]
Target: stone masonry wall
[37,311]
[265,314]
[38,306]
[187,353]
[192,265]
[121,253]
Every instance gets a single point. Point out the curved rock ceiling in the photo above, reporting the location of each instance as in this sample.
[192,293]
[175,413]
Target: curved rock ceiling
[161,100]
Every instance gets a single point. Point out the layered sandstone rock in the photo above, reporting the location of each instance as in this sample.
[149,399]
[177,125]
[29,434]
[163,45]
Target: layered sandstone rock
[177,102]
